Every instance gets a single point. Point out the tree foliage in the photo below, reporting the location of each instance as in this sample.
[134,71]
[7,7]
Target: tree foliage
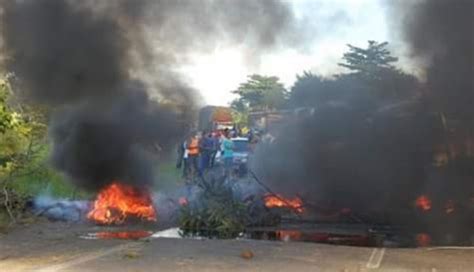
[373,80]
[240,113]
[311,90]
[368,61]
[374,66]
[6,117]
[260,93]
[22,145]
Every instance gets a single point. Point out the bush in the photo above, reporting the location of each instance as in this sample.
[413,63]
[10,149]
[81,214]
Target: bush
[24,152]
[215,212]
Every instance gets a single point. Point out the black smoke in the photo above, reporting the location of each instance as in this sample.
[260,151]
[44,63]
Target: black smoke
[375,157]
[348,156]
[440,35]
[118,143]
[108,68]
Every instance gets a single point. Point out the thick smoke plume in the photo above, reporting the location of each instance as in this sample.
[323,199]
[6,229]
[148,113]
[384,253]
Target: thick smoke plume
[347,157]
[108,68]
[356,152]
[441,34]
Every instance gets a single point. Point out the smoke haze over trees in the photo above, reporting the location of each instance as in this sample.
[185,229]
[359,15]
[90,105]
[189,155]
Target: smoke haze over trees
[440,36]
[108,69]
[349,144]
[260,93]
[372,81]
[376,132]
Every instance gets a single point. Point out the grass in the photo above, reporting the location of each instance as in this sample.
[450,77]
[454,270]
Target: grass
[38,177]
[55,184]
[169,170]
[4,221]
[48,182]
[168,176]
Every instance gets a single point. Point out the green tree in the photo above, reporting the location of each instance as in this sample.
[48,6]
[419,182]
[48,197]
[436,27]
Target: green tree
[374,66]
[22,145]
[6,117]
[311,90]
[368,61]
[240,113]
[261,93]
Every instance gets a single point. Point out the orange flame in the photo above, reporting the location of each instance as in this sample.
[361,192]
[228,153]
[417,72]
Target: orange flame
[278,201]
[117,202]
[292,235]
[138,234]
[423,203]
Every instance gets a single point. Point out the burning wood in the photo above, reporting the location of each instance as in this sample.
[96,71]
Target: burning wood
[278,201]
[423,203]
[118,202]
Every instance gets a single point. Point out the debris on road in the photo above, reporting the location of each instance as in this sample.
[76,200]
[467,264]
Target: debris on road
[246,254]
[131,255]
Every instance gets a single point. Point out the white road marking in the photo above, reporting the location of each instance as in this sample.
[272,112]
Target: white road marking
[85,258]
[376,258]
[451,247]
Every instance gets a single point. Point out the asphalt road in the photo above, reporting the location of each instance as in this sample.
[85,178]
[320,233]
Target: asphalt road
[58,247]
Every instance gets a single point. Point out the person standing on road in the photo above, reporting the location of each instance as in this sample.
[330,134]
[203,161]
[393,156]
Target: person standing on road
[205,147]
[227,154]
[215,148]
[192,148]
[182,160]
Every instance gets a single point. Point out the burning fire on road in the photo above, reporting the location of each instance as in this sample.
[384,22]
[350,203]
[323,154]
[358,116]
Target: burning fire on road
[138,234]
[278,201]
[423,203]
[118,202]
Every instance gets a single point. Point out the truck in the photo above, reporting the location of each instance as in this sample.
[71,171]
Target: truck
[213,118]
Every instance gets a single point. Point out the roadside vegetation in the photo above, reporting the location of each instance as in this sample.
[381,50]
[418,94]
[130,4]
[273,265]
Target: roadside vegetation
[24,151]
[215,212]
[370,74]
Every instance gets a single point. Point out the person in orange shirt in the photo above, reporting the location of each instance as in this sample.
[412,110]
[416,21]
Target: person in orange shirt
[193,151]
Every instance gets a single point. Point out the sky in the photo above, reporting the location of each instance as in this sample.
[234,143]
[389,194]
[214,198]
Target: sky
[335,22]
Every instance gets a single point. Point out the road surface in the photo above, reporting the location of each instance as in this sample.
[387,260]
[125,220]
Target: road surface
[45,246]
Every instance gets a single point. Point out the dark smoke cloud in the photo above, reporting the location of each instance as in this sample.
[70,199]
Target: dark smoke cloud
[91,144]
[441,34]
[108,67]
[63,54]
[376,158]
[348,156]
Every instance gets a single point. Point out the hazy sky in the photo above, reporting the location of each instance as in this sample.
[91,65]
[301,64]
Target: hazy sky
[333,24]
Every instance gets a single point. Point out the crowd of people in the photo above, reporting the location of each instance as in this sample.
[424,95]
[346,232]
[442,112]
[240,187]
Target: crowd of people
[198,152]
